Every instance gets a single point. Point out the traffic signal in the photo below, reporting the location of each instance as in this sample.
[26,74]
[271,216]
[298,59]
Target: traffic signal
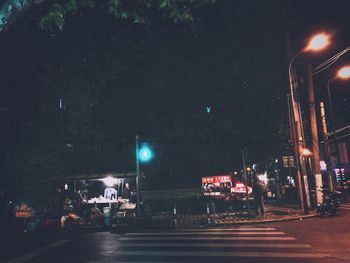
[145,153]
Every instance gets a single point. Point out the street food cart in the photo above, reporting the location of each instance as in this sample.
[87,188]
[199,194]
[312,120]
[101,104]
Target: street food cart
[109,196]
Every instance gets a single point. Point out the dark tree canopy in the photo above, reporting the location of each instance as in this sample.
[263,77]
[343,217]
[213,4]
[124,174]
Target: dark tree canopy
[53,15]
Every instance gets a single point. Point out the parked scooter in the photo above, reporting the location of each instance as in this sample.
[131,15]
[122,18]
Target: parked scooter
[337,196]
[330,203]
[70,220]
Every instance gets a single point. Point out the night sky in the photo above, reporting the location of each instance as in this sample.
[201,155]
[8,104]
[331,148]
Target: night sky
[118,80]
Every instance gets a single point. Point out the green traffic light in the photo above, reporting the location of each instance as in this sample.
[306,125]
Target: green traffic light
[145,153]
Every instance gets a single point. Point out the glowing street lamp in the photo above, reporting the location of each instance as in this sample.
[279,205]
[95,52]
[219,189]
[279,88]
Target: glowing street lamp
[344,72]
[318,42]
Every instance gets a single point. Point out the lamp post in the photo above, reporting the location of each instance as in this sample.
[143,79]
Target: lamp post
[296,130]
[343,73]
[315,44]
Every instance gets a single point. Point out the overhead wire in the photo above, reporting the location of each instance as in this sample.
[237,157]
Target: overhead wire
[329,62]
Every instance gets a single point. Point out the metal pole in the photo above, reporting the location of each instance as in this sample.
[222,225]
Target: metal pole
[137,178]
[208,214]
[314,135]
[246,180]
[334,134]
[327,156]
[296,161]
[175,216]
[299,139]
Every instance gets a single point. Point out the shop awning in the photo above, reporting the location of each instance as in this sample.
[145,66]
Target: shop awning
[92,176]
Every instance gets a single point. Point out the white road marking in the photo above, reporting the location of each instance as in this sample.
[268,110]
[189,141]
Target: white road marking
[38,252]
[204,233]
[344,208]
[23,241]
[204,238]
[226,245]
[218,254]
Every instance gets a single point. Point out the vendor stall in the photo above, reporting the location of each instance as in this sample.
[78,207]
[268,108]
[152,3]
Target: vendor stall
[109,196]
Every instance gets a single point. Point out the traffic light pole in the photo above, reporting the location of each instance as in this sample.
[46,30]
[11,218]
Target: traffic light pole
[137,178]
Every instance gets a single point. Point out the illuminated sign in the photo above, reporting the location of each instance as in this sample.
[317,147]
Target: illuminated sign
[217,180]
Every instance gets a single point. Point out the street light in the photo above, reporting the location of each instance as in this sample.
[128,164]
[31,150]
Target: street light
[317,43]
[343,73]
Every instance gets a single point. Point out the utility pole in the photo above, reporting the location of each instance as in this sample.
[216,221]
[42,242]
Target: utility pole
[246,180]
[327,155]
[300,179]
[314,135]
[299,139]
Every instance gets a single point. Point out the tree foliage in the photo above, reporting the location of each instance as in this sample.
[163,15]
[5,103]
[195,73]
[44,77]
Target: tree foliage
[134,11]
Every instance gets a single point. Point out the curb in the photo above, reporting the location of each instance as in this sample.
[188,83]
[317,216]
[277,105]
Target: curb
[267,221]
[247,222]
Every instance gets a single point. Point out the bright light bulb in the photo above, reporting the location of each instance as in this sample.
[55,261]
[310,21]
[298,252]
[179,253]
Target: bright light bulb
[145,153]
[306,152]
[318,42]
[344,72]
[109,181]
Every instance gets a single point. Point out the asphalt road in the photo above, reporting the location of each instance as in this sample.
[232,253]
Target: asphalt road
[311,240]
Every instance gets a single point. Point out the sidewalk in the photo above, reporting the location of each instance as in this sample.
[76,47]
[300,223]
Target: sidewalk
[273,213]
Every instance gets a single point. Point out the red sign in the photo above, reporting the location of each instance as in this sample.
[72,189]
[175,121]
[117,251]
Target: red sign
[217,180]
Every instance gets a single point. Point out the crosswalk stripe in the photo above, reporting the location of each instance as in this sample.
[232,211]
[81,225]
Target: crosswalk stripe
[230,229]
[226,245]
[345,205]
[345,208]
[222,254]
[204,233]
[204,238]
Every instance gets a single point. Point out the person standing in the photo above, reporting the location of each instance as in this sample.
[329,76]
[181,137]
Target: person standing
[258,197]
[127,192]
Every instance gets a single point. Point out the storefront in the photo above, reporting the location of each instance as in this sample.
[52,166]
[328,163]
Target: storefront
[223,184]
